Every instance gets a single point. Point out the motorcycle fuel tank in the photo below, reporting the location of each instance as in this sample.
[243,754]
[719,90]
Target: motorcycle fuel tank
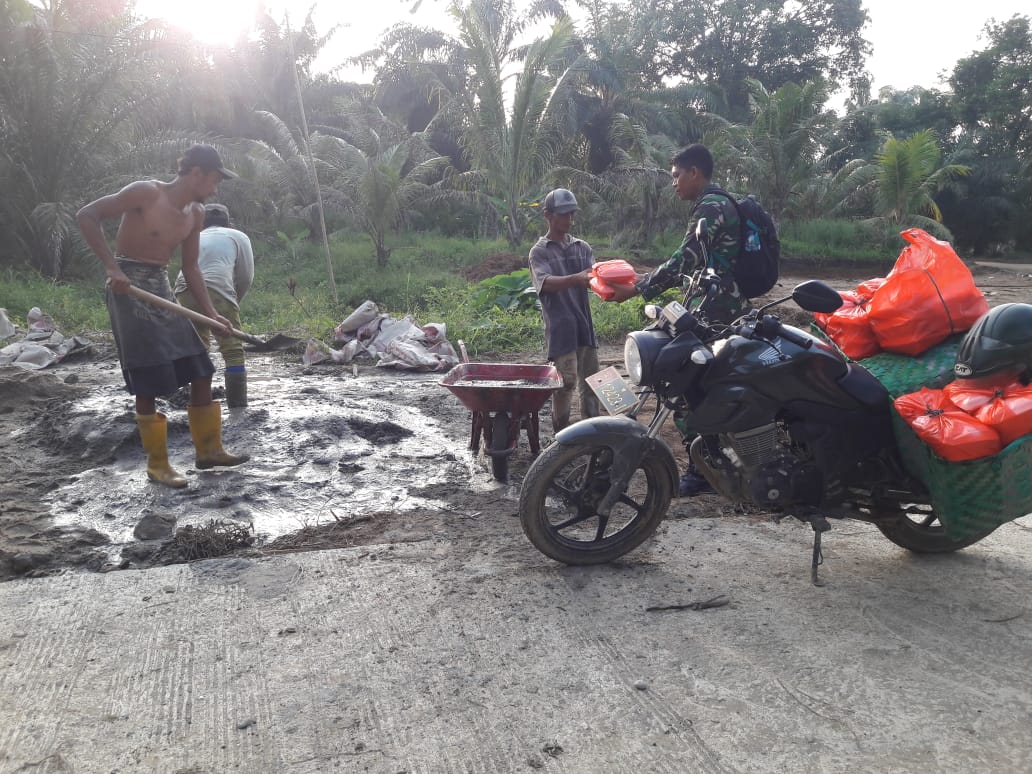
[749,380]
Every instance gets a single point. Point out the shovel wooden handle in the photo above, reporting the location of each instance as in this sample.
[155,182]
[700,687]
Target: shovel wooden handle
[182,311]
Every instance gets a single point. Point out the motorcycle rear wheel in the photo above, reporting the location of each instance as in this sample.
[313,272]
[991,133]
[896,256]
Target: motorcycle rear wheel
[919,530]
[563,488]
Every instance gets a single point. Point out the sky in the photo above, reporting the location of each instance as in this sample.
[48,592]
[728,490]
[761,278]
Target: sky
[914,41]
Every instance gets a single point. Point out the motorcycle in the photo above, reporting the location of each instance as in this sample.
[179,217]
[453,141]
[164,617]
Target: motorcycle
[782,420]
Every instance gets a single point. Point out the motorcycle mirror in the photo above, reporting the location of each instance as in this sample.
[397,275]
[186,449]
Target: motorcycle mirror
[816,296]
[700,229]
[651,311]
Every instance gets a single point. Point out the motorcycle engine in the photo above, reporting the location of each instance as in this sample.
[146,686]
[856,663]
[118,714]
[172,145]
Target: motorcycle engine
[757,465]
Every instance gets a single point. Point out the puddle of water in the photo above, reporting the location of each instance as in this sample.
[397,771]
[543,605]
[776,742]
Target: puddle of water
[322,448]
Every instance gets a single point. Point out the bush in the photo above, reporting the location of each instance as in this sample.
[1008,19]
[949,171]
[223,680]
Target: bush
[823,241]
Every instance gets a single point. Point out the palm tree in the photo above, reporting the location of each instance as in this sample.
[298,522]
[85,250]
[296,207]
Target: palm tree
[76,93]
[380,173]
[775,155]
[901,182]
[512,145]
[631,198]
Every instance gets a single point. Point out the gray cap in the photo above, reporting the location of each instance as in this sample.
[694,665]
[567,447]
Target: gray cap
[216,215]
[561,201]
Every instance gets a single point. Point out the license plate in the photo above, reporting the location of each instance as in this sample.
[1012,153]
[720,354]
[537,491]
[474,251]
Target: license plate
[613,391]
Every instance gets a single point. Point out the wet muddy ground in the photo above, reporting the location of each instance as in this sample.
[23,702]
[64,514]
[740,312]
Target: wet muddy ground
[340,456]
[337,454]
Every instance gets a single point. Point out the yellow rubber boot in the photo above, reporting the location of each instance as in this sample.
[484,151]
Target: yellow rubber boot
[154,434]
[206,431]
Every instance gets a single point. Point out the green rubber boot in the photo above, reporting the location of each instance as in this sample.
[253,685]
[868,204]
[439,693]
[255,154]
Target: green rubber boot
[236,388]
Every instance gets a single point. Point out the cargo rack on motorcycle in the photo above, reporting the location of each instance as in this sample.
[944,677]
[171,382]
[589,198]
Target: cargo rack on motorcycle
[970,497]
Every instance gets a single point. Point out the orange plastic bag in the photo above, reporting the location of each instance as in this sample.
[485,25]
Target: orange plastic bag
[615,272]
[950,433]
[928,295]
[849,327]
[1007,408]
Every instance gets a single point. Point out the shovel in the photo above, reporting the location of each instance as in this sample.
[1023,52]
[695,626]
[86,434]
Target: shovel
[277,342]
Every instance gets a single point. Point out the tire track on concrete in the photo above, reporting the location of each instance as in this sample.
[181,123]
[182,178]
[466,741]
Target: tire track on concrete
[652,701]
[69,641]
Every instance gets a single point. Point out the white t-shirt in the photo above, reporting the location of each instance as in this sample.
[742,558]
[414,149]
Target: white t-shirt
[226,262]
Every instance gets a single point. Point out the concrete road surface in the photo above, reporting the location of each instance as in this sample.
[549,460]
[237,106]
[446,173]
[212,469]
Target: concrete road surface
[483,656]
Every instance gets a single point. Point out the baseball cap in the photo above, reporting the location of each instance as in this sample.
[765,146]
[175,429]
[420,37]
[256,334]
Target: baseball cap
[561,201]
[205,157]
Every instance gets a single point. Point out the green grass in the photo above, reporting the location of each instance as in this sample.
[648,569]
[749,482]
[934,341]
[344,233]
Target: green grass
[421,280]
[75,306]
[830,241]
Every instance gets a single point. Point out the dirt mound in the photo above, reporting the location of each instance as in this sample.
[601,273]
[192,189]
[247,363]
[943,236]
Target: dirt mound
[492,266]
[20,389]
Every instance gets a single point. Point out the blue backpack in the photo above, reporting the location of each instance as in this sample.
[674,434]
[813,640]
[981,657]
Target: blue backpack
[759,249]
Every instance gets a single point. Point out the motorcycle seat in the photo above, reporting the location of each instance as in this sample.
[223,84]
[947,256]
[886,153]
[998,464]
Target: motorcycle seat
[865,388]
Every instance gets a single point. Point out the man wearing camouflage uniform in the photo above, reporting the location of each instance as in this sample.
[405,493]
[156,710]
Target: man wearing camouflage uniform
[692,173]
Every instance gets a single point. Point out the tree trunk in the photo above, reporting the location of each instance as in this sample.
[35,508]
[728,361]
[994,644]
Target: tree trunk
[383,253]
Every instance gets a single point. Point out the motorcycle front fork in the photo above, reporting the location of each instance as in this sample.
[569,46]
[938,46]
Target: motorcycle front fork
[622,469]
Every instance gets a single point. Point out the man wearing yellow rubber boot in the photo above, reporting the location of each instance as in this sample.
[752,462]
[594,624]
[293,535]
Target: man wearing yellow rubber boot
[160,351]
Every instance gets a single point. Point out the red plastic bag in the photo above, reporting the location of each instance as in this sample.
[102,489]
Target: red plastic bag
[928,295]
[867,288]
[615,272]
[849,327]
[605,274]
[849,300]
[969,395]
[1007,407]
[602,290]
[950,433]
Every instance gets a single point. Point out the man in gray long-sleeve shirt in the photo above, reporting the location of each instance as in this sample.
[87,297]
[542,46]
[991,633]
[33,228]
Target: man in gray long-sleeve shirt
[226,262]
[560,267]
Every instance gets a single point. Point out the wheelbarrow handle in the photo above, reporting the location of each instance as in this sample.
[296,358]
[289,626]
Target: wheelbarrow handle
[190,314]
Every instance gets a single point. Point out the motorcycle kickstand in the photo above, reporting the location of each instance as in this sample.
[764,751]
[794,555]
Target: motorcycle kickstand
[820,525]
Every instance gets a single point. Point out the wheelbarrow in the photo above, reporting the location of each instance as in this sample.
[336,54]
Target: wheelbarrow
[503,398]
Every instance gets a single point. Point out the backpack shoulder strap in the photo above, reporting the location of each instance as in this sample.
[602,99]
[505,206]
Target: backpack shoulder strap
[741,223]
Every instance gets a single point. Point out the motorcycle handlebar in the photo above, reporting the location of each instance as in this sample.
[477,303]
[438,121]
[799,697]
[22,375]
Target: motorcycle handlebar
[768,327]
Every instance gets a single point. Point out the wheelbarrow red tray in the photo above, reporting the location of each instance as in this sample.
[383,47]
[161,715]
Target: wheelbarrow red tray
[502,386]
[513,393]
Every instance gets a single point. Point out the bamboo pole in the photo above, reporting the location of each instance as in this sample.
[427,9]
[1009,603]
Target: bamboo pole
[311,158]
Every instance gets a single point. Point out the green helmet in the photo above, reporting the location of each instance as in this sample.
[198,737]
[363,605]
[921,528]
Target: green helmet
[1000,340]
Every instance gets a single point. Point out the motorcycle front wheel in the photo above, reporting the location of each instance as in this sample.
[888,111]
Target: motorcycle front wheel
[918,529]
[562,491]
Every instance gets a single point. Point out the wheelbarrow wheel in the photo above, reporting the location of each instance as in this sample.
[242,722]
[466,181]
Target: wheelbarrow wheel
[499,444]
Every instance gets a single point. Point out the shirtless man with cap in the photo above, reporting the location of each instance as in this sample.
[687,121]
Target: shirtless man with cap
[160,351]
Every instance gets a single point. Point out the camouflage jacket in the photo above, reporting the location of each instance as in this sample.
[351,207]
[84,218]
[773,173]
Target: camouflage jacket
[723,240]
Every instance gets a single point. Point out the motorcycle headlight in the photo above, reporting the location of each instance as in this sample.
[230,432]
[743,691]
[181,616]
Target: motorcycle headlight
[640,351]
